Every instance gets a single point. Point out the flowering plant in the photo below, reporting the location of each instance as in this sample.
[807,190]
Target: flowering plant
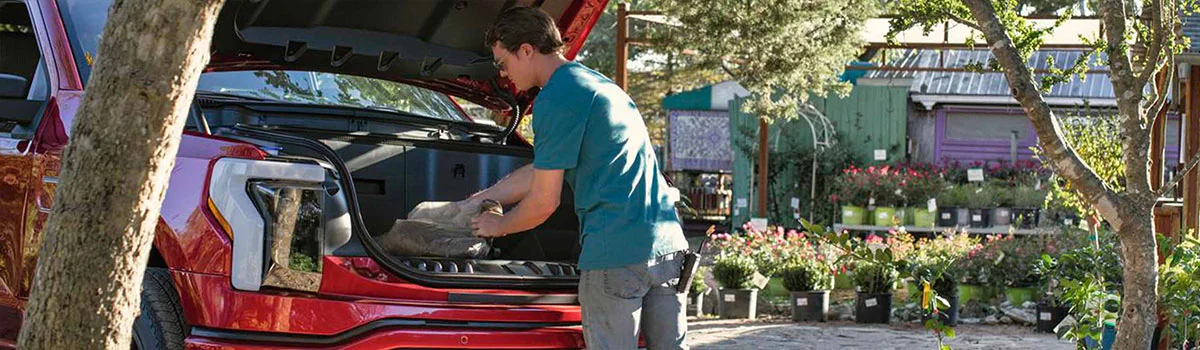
[858,186]
[770,249]
[934,260]
[874,259]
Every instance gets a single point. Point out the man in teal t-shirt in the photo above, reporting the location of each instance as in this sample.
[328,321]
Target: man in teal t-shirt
[590,134]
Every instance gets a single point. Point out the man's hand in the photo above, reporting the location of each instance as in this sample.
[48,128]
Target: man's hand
[488,225]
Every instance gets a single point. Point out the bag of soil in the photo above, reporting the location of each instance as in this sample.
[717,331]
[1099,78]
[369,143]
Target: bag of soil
[438,229]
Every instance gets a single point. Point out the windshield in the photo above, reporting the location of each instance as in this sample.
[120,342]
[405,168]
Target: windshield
[84,20]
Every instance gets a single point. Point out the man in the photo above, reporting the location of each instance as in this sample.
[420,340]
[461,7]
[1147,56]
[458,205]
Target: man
[590,134]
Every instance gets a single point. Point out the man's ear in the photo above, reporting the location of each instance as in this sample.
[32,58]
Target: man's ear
[527,49]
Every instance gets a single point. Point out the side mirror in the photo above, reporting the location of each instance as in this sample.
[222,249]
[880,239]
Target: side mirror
[13,86]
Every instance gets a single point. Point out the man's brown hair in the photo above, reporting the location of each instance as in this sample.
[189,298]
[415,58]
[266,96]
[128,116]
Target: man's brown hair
[525,25]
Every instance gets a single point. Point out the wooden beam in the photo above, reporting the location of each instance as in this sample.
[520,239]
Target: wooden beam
[761,209]
[622,45]
[1158,136]
[1191,147]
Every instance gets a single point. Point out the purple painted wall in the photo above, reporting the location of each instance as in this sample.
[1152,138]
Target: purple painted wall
[968,150]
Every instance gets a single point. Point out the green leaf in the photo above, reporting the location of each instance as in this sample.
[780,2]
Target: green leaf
[949,331]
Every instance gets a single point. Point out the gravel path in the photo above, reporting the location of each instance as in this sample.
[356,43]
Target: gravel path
[778,335]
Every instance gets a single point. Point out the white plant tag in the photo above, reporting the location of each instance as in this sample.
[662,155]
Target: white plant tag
[871,202]
[881,154]
[975,174]
[795,202]
[871,302]
[1045,316]
[801,301]
[945,216]
[932,205]
[1069,222]
[730,297]
[848,213]
[882,215]
[976,217]
[742,203]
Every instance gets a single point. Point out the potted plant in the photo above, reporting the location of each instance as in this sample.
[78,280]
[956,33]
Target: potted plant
[697,291]
[738,297]
[920,189]
[852,193]
[934,263]
[874,281]
[979,200]
[1018,266]
[952,207]
[977,271]
[1027,204]
[874,268]
[886,194]
[1002,203]
[809,283]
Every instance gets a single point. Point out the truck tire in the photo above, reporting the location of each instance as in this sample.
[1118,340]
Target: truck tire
[160,325]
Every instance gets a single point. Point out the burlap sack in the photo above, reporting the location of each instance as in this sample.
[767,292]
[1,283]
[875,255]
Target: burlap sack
[438,229]
[450,214]
[420,238]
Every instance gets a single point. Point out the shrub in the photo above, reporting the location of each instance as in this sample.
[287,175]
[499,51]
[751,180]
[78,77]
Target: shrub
[873,277]
[954,197]
[802,277]
[1028,197]
[698,286]
[734,271]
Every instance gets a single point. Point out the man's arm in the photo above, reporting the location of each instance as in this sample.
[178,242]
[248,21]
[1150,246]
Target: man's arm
[509,190]
[540,201]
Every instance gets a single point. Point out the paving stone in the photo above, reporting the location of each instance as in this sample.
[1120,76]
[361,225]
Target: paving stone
[745,334]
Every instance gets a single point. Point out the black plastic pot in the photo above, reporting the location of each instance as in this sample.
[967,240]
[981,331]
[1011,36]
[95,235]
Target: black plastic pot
[1001,216]
[962,217]
[1050,316]
[696,304]
[810,306]
[738,303]
[980,218]
[948,316]
[1026,218]
[947,217]
[873,308]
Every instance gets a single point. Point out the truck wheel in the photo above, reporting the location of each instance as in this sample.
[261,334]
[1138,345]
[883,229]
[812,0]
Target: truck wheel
[160,325]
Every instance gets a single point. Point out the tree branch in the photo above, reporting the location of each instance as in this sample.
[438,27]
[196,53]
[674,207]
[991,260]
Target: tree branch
[1170,186]
[1154,49]
[1129,94]
[1063,158]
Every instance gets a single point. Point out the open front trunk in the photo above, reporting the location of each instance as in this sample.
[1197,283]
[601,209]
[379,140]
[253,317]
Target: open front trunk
[390,175]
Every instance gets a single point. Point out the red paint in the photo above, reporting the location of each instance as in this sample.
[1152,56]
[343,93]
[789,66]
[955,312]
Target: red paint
[428,338]
[210,301]
[354,291]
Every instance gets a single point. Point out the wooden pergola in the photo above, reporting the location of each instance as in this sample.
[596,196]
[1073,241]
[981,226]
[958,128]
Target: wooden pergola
[1171,215]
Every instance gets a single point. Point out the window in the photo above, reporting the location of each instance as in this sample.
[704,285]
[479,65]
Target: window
[986,127]
[23,82]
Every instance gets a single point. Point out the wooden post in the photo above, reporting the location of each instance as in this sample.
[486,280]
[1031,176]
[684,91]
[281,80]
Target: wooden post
[1191,147]
[1158,135]
[761,210]
[622,44]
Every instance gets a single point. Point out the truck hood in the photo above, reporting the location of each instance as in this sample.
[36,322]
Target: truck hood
[436,44]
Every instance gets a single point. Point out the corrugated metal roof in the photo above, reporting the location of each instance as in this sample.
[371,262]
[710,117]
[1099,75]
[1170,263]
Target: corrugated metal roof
[1191,29]
[1095,86]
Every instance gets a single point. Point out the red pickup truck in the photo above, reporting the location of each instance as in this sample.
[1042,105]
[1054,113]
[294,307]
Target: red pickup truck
[316,125]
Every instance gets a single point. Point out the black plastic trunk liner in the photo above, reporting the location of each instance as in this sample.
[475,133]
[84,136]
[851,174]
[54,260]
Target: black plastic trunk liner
[491,267]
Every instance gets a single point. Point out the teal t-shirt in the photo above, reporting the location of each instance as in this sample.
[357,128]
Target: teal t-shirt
[587,126]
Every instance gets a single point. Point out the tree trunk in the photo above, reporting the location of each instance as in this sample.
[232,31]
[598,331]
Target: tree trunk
[1131,212]
[114,175]
[1139,299]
